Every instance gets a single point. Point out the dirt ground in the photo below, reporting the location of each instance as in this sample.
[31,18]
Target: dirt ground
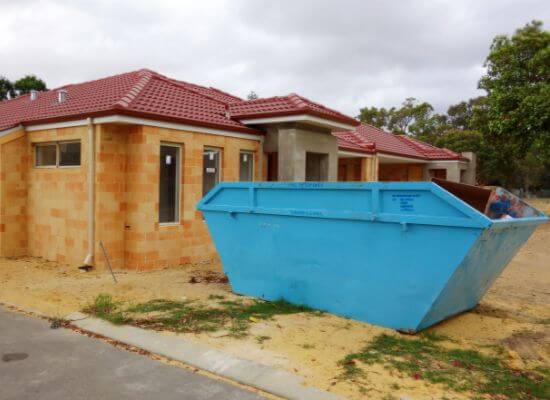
[514,314]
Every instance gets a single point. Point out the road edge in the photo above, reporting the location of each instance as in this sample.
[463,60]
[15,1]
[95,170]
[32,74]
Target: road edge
[269,379]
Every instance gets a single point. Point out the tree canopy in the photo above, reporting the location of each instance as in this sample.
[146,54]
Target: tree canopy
[22,86]
[508,128]
[28,83]
[6,88]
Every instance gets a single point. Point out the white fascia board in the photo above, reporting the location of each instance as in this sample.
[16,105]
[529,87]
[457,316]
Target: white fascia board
[343,153]
[11,130]
[388,157]
[298,118]
[123,119]
[56,125]
[448,161]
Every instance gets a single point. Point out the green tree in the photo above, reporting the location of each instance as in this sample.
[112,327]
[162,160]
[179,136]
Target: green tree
[461,115]
[518,101]
[412,118]
[6,88]
[374,116]
[28,83]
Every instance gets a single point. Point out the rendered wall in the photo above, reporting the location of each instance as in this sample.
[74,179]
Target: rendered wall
[292,142]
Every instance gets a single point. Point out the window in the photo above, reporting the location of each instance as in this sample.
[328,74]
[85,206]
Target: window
[69,154]
[246,166]
[58,154]
[169,192]
[45,155]
[211,169]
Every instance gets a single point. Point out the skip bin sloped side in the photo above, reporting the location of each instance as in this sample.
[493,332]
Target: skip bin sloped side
[376,252]
[476,274]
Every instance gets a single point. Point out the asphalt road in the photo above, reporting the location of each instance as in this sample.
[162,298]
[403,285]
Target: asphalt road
[37,362]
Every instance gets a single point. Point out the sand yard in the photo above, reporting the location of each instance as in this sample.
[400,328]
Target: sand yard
[513,317]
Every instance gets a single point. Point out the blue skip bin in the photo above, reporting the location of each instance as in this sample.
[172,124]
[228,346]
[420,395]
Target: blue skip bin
[400,255]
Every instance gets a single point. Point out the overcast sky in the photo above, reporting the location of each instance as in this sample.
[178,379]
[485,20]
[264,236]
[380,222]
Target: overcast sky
[344,54]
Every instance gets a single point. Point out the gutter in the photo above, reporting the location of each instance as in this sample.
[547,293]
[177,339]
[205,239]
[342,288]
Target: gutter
[89,260]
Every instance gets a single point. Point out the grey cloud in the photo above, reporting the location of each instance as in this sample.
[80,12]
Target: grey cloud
[345,54]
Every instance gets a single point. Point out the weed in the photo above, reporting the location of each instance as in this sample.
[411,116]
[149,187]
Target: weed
[395,386]
[104,307]
[262,338]
[58,322]
[189,316]
[458,369]
[307,346]
[216,297]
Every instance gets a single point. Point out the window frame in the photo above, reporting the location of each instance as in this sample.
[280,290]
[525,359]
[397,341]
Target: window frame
[252,154]
[57,153]
[46,144]
[220,166]
[177,219]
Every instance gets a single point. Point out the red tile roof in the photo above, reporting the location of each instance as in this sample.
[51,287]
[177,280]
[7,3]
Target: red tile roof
[140,93]
[351,140]
[389,143]
[428,150]
[147,94]
[279,106]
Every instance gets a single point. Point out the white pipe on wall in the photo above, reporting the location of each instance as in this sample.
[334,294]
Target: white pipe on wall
[89,260]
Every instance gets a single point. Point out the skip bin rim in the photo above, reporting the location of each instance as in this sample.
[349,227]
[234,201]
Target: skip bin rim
[473,218]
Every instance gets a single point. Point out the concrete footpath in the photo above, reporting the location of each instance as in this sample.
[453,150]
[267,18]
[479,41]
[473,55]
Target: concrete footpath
[37,362]
[268,379]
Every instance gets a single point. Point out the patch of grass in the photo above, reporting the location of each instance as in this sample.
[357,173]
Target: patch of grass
[104,307]
[307,346]
[189,316]
[216,297]
[458,369]
[395,386]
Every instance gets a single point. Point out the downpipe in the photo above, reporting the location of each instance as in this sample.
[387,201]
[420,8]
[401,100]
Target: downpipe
[89,260]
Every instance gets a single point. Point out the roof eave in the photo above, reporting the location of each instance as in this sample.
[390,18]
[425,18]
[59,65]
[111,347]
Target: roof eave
[297,116]
[124,111]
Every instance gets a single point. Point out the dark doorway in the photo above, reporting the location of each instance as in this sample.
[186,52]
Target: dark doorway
[316,167]
[439,173]
[169,183]
[273,167]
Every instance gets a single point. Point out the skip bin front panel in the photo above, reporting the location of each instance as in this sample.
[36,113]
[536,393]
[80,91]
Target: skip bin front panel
[370,271]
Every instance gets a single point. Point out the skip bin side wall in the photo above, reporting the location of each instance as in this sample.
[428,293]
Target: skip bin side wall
[349,264]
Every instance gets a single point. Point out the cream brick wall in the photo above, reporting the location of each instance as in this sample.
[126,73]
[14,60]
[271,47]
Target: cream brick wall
[13,195]
[150,244]
[58,202]
[43,211]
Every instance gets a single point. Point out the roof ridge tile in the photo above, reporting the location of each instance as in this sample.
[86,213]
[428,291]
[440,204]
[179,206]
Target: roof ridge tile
[145,76]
